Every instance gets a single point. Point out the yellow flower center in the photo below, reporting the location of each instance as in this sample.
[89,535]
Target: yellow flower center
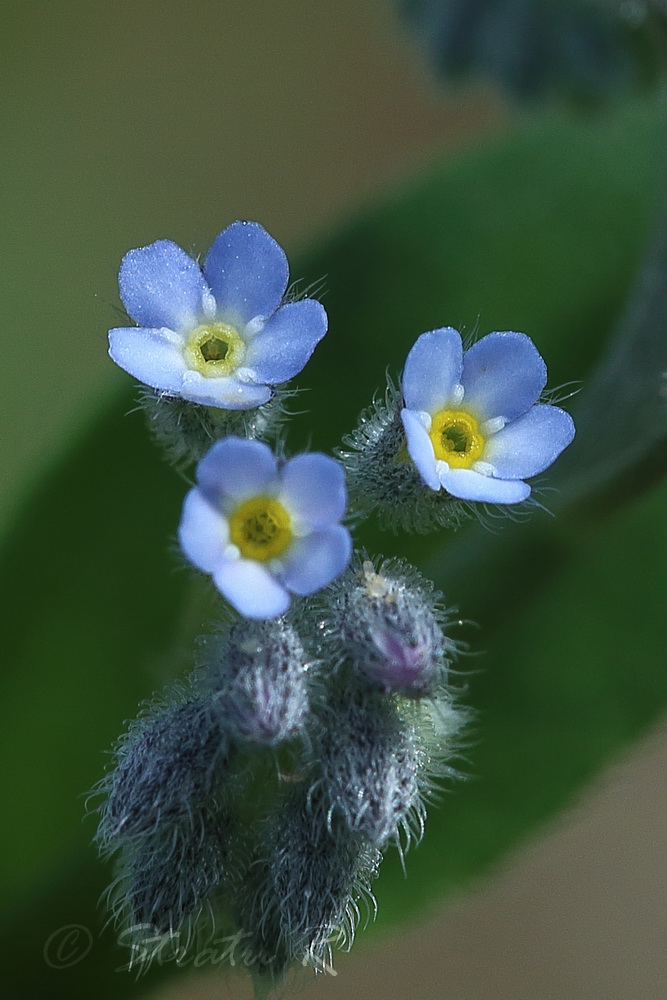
[456,438]
[260,528]
[214,350]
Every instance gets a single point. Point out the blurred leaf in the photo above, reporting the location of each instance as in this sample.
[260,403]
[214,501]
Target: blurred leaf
[519,235]
[587,50]
[572,622]
[622,416]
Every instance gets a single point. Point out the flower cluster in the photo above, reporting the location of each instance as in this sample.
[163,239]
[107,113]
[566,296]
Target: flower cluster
[321,711]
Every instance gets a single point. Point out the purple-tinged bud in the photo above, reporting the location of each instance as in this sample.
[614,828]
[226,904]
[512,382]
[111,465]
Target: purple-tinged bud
[258,679]
[387,624]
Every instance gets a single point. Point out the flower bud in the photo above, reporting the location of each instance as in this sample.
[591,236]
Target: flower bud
[258,678]
[166,879]
[370,756]
[167,766]
[305,896]
[387,624]
[186,430]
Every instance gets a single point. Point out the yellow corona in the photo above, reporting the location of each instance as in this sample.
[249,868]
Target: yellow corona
[456,438]
[214,350]
[260,528]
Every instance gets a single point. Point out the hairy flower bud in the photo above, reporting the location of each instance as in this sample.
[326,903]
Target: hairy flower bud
[186,430]
[382,478]
[258,678]
[388,625]
[307,887]
[370,756]
[167,767]
[166,880]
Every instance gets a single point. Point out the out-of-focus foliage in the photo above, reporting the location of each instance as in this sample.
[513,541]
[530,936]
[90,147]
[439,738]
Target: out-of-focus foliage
[519,235]
[588,50]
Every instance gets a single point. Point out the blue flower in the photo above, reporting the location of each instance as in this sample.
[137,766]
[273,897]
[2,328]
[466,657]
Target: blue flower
[216,335]
[262,531]
[472,421]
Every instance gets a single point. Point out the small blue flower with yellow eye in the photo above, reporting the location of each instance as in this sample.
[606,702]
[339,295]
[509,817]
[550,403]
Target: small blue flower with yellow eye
[472,420]
[263,531]
[219,335]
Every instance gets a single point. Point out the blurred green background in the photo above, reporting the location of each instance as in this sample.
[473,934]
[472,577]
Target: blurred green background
[127,123]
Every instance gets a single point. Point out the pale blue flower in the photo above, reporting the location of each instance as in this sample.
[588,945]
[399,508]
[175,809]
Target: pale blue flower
[263,531]
[472,421]
[217,334]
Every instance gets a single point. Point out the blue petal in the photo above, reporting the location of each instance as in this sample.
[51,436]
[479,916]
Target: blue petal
[251,589]
[226,392]
[149,355]
[531,443]
[236,468]
[420,448]
[432,370]
[247,271]
[469,485]
[286,342]
[314,561]
[503,375]
[161,285]
[203,532]
[313,489]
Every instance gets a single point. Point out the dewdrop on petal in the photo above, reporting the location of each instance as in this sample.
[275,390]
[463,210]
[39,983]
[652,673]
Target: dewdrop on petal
[389,625]
[257,676]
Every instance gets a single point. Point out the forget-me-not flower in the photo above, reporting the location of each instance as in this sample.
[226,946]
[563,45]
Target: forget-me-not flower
[472,421]
[262,531]
[217,334]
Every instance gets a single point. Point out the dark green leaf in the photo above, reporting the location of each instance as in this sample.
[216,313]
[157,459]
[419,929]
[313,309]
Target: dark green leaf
[540,232]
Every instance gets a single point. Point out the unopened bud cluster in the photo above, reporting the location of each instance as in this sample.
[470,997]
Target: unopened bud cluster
[259,796]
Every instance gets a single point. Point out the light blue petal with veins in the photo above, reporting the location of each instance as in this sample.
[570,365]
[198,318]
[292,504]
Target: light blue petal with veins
[466,484]
[314,561]
[531,443]
[432,370]
[247,271]
[150,355]
[420,448]
[503,375]
[227,392]
[203,532]
[251,589]
[287,341]
[236,468]
[312,487]
[161,285]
